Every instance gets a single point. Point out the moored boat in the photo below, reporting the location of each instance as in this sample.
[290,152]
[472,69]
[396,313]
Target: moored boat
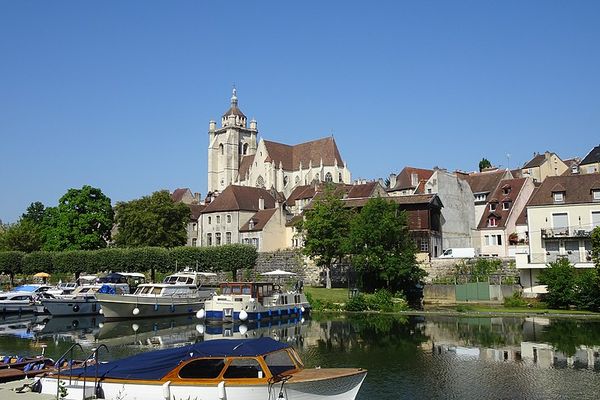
[179,294]
[21,299]
[245,369]
[253,301]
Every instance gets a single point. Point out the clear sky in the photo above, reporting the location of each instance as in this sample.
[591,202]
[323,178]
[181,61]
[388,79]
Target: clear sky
[118,94]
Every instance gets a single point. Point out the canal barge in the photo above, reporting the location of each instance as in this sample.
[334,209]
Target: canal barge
[253,301]
[244,369]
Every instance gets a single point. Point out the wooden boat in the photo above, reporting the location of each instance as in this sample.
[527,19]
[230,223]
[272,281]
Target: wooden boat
[244,369]
[253,301]
[13,368]
[179,294]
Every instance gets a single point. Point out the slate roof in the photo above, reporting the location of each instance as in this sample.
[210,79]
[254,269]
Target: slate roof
[592,157]
[178,194]
[314,151]
[240,198]
[484,182]
[234,110]
[577,189]
[500,214]
[260,220]
[404,178]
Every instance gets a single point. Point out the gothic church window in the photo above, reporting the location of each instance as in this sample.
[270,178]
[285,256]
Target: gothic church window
[221,149]
[297,179]
[209,239]
[285,181]
[245,149]
[339,176]
[328,177]
[260,182]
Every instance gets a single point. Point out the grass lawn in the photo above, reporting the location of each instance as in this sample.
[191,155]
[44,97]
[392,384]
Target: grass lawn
[529,310]
[331,295]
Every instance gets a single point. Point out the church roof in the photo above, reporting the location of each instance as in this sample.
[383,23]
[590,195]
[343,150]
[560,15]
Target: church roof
[240,198]
[234,110]
[313,152]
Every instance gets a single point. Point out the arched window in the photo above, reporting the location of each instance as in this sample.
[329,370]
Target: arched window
[297,179]
[209,239]
[194,242]
[228,237]
[285,181]
[221,149]
[339,176]
[217,239]
[245,149]
[260,182]
[328,177]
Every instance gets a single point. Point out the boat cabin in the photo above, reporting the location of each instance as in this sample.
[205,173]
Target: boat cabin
[162,290]
[188,278]
[256,290]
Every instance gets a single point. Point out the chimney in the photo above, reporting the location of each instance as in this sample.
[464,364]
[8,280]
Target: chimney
[261,203]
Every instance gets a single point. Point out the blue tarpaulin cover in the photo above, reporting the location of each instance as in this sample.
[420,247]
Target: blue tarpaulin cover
[154,365]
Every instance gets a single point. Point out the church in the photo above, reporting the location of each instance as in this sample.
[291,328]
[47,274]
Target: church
[237,157]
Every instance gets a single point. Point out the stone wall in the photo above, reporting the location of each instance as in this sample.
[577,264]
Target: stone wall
[445,267]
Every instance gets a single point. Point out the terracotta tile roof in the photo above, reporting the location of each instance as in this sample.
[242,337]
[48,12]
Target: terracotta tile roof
[361,190]
[260,220]
[522,218]
[245,164]
[401,200]
[234,110]
[536,161]
[500,214]
[308,192]
[404,178]
[314,151]
[517,173]
[485,182]
[303,192]
[577,188]
[178,194]
[195,211]
[592,157]
[294,220]
[240,198]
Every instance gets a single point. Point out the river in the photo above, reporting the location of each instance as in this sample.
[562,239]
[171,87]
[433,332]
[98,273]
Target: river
[408,357]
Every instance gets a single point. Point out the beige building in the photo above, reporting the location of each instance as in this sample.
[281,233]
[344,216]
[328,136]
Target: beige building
[560,217]
[544,165]
[591,163]
[266,230]
[235,156]
[482,184]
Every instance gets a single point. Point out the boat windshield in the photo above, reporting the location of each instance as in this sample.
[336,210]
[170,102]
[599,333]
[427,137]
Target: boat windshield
[279,362]
[179,279]
[240,368]
[204,368]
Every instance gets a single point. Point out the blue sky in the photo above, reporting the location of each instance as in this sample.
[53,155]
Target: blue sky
[118,94]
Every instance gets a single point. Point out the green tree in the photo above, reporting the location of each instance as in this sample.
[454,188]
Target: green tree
[25,236]
[560,278]
[151,221]
[484,163]
[325,229]
[596,246]
[382,249]
[35,213]
[82,221]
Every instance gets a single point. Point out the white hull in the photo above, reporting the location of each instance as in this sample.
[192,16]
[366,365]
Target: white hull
[115,307]
[71,307]
[342,388]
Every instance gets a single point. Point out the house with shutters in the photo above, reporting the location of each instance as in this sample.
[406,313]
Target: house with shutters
[561,214]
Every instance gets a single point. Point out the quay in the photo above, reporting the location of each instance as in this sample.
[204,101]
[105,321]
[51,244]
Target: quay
[7,392]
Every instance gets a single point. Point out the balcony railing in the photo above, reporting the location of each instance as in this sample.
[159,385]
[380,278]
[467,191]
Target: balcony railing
[574,257]
[548,233]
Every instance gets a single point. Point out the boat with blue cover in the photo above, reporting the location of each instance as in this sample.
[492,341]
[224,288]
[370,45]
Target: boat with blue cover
[237,369]
[253,301]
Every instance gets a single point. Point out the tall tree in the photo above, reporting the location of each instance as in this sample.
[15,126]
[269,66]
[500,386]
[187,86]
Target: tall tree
[484,163]
[325,229]
[82,221]
[151,221]
[596,246]
[24,236]
[382,249]
[560,278]
[35,213]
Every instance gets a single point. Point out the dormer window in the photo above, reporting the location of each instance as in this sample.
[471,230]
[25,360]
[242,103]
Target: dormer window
[506,205]
[506,190]
[251,224]
[559,197]
[596,194]
[492,222]
[492,206]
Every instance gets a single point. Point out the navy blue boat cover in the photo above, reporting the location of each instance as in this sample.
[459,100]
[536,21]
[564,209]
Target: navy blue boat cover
[154,365]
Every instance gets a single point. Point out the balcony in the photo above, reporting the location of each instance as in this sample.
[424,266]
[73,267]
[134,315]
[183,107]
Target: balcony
[559,233]
[574,257]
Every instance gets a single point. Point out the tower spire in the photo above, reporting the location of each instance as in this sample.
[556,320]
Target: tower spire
[234,99]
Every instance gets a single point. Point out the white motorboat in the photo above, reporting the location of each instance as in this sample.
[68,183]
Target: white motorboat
[21,299]
[179,294]
[253,301]
[236,369]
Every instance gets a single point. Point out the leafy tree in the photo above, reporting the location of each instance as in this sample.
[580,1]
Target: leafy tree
[151,221]
[484,163]
[586,294]
[325,229]
[35,213]
[82,221]
[11,263]
[23,236]
[596,246]
[382,249]
[560,278]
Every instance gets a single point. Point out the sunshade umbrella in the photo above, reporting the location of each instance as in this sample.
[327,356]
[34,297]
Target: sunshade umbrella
[42,275]
[278,272]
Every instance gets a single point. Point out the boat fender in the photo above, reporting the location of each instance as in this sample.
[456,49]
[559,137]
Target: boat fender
[166,389]
[156,307]
[100,325]
[221,390]
[243,315]
[302,309]
[135,327]
[100,311]
[136,311]
[243,329]
[200,328]
[75,308]
[201,314]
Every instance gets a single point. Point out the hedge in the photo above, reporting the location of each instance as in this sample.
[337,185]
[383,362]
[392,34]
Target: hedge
[143,259]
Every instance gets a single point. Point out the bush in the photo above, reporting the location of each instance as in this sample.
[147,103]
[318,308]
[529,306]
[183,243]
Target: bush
[516,300]
[560,278]
[357,303]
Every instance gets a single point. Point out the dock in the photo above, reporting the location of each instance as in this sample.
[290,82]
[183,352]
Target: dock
[7,392]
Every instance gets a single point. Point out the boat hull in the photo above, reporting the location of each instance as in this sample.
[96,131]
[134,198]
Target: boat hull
[70,307]
[218,316]
[11,307]
[122,307]
[338,388]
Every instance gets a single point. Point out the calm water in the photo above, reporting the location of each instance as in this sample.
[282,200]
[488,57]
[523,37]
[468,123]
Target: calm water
[407,357]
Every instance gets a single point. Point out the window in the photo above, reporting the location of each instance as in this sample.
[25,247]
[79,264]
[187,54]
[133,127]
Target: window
[560,222]
[480,197]
[228,237]
[559,197]
[209,220]
[255,242]
[328,177]
[221,149]
[209,239]
[285,181]
[279,362]
[595,219]
[297,179]
[218,238]
[206,368]
[194,242]
[424,245]
[493,240]
[506,190]
[596,195]
[505,205]
[218,219]
[414,179]
[195,227]
[492,206]
[339,176]
[245,149]
[260,182]
[492,222]
[228,218]
[241,368]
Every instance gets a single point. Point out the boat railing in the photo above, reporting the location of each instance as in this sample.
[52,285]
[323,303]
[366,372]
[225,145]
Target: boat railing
[62,359]
[93,357]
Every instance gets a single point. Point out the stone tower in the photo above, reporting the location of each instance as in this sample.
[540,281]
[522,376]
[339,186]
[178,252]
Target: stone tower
[228,144]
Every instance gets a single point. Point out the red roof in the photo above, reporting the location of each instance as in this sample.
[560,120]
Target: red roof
[240,198]
[290,157]
[259,219]
[404,178]
[515,186]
